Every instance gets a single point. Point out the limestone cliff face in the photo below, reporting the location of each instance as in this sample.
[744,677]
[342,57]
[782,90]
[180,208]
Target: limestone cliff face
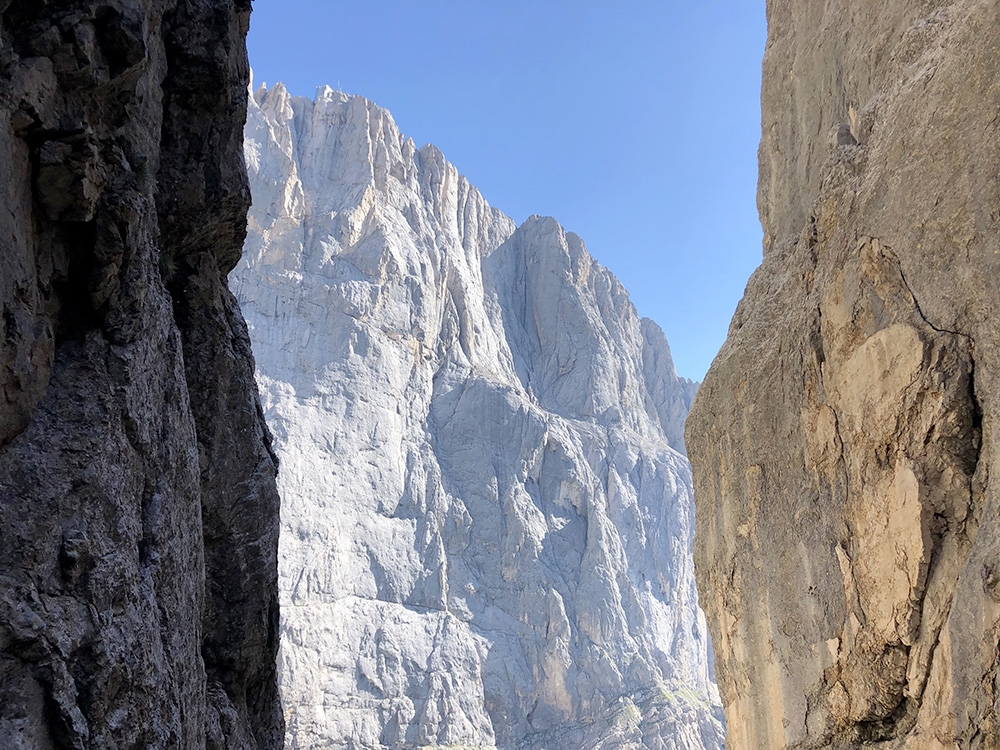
[138,508]
[846,475]
[486,532]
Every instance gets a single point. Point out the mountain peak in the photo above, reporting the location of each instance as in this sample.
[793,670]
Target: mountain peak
[485,515]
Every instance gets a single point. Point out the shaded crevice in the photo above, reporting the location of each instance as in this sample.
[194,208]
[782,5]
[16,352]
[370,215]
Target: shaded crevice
[916,303]
[76,315]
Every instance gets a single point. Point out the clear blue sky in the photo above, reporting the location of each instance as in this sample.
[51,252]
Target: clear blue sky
[635,123]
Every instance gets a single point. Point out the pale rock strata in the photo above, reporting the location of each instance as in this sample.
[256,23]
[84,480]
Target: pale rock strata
[845,472]
[486,534]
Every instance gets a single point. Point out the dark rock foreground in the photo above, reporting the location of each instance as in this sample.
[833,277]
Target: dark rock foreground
[138,509]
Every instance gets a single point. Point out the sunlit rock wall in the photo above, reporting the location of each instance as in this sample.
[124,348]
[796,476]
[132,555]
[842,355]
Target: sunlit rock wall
[486,535]
[845,474]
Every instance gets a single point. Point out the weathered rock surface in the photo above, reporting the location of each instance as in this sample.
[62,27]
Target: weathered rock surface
[486,535]
[138,508]
[843,443]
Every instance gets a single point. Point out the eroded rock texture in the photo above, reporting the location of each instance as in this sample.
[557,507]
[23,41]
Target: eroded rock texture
[486,532]
[138,509]
[848,541]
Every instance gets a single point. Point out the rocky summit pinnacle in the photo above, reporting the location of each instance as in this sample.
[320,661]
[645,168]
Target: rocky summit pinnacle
[487,515]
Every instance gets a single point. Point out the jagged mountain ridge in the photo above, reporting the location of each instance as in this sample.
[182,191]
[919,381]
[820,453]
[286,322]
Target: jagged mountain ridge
[486,534]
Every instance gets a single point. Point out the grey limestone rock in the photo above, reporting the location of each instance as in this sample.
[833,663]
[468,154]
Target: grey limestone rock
[486,532]
[845,472]
[138,506]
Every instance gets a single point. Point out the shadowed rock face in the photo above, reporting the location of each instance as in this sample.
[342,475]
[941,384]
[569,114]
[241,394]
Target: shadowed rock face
[846,477]
[486,531]
[138,509]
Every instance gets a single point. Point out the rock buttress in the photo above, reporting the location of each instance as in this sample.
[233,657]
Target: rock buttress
[138,510]
[848,533]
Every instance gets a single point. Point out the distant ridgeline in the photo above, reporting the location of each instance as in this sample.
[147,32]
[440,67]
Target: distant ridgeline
[487,514]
